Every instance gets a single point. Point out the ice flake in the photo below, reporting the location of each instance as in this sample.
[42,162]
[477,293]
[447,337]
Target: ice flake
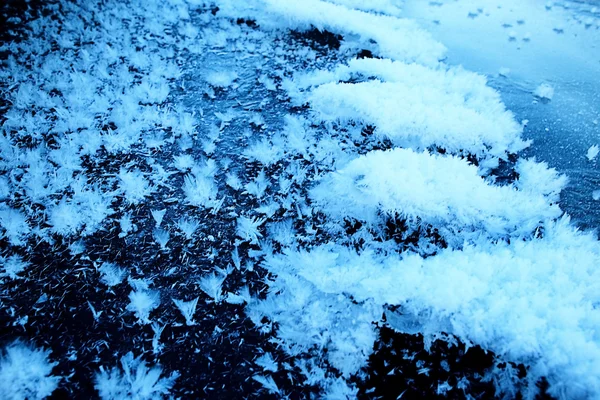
[14,224]
[211,285]
[235,257]
[157,329]
[267,382]
[95,313]
[258,186]
[188,226]
[126,225]
[267,362]
[134,186]
[188,309]
[26,373]
[263,151]
[161,236]
[158,216]
[141,303]
[111,274]
[13,265]
[233,181]
[77,247]
[221,79]
[592,152]
[537,178]
[242,297]
[282,232]
[134,380]
[200,190]
[65,218]
[247,228]
[184,162]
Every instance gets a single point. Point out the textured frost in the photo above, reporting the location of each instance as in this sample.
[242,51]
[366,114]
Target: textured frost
[25,373]
[438,190]
[134,380]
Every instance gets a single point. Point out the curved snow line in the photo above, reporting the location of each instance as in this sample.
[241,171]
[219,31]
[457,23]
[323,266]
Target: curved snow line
[444,106]
[381,6]
[421,116]
[443,191]
[452,79]
[534,302]
[398,39]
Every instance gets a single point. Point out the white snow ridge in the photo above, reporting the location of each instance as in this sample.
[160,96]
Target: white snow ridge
[299,177]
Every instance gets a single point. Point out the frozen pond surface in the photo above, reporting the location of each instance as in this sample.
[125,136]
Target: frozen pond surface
[520,45]
[297,199]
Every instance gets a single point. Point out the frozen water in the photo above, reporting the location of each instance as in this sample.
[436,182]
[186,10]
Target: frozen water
[563,129]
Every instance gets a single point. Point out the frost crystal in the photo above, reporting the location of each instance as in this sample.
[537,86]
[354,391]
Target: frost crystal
[134,380]
[211,285]
[111,274]
[187,308]
[25,373]
[13,265]
[247,228]
[142,302]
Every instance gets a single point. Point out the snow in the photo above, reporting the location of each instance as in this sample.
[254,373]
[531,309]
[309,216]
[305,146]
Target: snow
[592,152]
[26,372]
[544,91]
[415,186]
[503,71]
[380,6]
[530,301]
[394,38]
[415,106]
